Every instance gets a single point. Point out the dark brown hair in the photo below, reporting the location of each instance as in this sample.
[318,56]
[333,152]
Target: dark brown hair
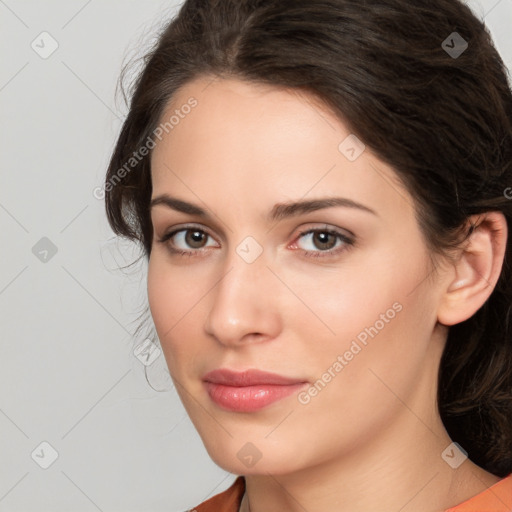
[441,118]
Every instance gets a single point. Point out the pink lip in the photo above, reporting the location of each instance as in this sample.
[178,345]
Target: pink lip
[250,390]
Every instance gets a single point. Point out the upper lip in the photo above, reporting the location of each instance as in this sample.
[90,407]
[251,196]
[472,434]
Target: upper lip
[248,378]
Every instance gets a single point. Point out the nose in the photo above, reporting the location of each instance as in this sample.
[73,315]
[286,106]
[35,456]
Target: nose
[244,303]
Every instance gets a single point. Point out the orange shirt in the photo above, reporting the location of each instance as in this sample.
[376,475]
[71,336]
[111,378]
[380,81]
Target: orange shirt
[497,498]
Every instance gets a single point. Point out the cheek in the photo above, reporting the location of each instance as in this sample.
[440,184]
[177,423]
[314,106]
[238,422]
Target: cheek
[159,298]
[166,301]
[174,298]
[369,317]
[339,303]
[170,294]
[359,373]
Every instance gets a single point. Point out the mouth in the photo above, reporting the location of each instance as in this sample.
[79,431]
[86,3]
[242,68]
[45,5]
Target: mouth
[250,390]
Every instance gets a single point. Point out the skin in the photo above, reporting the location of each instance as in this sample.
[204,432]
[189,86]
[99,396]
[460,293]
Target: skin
[372,438]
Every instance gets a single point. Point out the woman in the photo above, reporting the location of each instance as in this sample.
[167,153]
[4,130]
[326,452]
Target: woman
[322,190]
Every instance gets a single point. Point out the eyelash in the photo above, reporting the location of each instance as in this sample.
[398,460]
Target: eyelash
[348,242]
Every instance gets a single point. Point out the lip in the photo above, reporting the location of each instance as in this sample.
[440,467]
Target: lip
[250,390]
[248,378]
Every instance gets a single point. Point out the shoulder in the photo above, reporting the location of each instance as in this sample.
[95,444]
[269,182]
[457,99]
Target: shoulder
[227,501]
[497,498]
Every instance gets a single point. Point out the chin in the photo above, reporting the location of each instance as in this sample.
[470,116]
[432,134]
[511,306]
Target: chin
[241,456]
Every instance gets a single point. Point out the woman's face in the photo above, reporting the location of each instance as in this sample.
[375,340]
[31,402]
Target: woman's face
[338,299]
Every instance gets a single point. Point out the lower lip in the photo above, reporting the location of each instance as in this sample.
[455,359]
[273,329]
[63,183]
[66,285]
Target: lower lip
[249,398]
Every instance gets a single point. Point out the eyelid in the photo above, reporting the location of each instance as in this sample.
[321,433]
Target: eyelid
[347,239]
[186,227]
[323,226]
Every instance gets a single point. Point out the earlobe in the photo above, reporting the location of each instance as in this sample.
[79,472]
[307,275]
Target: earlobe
[474,275]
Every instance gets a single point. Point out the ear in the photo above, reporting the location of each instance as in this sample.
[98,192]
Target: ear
[471,280]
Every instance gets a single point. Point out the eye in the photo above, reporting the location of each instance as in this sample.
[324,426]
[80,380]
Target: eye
[323,242]
[188,240]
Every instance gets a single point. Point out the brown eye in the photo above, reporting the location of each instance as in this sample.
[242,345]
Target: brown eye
[324,240]
[187,240]
[195,238]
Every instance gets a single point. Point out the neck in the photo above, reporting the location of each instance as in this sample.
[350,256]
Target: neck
[401,469]
[414,478]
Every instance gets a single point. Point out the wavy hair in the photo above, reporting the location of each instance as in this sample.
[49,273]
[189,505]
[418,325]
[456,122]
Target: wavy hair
[399,75]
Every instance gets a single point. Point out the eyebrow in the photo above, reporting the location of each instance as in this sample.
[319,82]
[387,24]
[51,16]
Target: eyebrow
[278,212]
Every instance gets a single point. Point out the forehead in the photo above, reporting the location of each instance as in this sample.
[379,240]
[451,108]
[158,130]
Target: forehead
[257,141]
[234,111]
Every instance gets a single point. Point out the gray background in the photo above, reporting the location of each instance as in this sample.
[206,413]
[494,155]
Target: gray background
[68,373]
